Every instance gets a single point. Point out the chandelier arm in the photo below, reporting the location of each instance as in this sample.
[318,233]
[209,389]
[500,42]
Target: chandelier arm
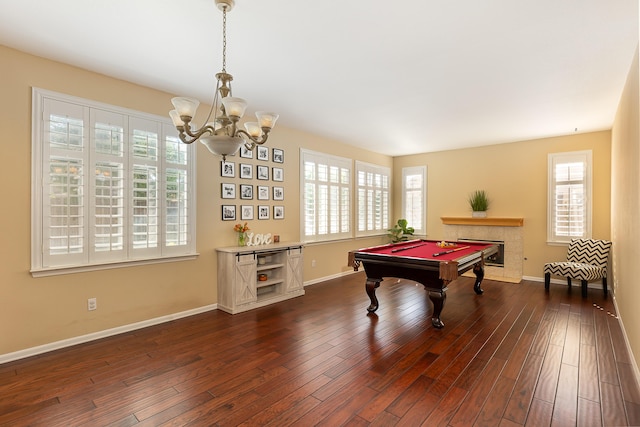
[254,141]
[187,136]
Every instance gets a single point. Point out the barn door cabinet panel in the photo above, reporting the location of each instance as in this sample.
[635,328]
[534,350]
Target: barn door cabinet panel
[254,276]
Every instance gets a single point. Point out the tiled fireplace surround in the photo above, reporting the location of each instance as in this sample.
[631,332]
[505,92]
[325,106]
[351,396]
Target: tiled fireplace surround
[508,230]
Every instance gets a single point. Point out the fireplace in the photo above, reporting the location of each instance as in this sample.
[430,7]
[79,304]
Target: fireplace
[507,233]
[495,260]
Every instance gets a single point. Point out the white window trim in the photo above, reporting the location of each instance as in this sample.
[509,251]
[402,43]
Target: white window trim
[584,156]
[166,254]
[333,161]
[415,170]
[386,214]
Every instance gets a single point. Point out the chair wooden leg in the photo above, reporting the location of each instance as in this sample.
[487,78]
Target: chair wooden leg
[569,283]
[584,289]
[604,286]
[547,280]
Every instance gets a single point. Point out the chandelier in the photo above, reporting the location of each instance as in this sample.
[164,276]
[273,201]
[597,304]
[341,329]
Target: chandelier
[222,136]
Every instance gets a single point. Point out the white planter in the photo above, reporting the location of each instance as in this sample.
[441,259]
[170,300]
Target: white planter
[479,214]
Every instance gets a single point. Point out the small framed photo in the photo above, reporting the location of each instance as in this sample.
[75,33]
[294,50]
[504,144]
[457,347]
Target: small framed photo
[246,191]
[278,193]
[245,153]
[262,172]
[246,171]
[278,155]
[263,192]
[278,212]
[277,174]
[228,212]
[228,191]
[262,153]
[228,169]
[263,212]
[246,212]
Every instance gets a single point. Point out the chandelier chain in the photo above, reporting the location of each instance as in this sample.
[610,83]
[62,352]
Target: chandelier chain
[224,40]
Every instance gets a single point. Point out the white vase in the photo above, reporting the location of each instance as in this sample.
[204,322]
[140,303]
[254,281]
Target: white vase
[479,214]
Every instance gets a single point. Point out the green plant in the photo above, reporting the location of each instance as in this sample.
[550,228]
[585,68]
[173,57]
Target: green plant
[400,231]
[479,201]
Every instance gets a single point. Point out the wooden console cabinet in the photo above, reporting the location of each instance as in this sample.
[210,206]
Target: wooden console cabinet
[254,276]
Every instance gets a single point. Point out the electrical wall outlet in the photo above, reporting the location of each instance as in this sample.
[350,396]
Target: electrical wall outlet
[92,304]
[313,263]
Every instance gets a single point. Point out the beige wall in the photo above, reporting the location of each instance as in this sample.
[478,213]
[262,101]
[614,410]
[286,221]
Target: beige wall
[515,179]
[625,205]
[39,311]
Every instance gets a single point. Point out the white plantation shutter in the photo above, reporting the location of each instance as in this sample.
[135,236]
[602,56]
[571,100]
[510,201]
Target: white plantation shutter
[326,198]
[414,197]
[109,185]
[373,204]
[569,214]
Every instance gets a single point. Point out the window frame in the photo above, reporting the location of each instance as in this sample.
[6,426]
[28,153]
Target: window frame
[369,209]
[554,159]
[345,224]
[43,262]
[415,170]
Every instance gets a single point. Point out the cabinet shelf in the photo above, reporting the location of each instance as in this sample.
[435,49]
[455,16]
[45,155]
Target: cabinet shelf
[264,267]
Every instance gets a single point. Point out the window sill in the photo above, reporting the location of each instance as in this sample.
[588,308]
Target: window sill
[57,271]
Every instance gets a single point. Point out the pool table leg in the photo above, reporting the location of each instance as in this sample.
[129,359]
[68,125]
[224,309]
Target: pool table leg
[437,298]
[478,270]
[370,287]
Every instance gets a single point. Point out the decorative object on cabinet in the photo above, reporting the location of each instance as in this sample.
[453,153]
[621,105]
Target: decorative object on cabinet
[239,287]
[228,212]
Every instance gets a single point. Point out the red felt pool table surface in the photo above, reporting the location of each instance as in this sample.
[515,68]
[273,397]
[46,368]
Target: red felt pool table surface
[427,249]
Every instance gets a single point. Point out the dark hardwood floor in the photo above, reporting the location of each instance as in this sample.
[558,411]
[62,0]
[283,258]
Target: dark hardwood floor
[513,356]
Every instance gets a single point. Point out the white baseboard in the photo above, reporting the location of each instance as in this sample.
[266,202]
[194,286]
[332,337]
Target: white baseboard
[34,351]
[325,278]
[636,371]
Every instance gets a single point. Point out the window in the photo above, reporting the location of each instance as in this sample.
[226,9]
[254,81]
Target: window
[569,204]
[414,198]
[109,186]
[373,205]
[326,198]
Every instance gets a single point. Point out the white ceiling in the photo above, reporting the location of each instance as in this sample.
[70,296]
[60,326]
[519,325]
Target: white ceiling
[393,77]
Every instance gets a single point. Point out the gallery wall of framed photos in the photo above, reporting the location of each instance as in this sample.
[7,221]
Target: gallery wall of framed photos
[252,185]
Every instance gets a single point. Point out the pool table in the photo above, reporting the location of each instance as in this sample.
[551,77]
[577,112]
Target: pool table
[425,262]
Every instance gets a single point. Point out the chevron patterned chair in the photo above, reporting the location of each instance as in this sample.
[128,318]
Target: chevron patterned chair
[586,260]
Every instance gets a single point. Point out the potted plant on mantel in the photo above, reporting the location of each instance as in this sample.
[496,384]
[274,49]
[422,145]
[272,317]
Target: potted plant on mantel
[479,203]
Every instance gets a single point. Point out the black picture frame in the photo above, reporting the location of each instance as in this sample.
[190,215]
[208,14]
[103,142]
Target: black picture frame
[262,153]
[228,190]
[277,174]
[246,212]
[263,212]
[278,212]
[278,155]
[246,191]
[262,172]
[278,193]
[228,212]
[245,153]
[227,169]
[263,192]
[246,171]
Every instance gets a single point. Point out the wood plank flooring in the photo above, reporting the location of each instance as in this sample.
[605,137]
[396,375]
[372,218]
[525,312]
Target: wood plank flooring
[515,356]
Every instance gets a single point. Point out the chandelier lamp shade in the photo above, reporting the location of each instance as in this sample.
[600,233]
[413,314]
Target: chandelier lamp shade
[222,136]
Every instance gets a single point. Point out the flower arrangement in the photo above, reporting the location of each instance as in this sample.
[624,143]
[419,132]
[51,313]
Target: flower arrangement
[242,233]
